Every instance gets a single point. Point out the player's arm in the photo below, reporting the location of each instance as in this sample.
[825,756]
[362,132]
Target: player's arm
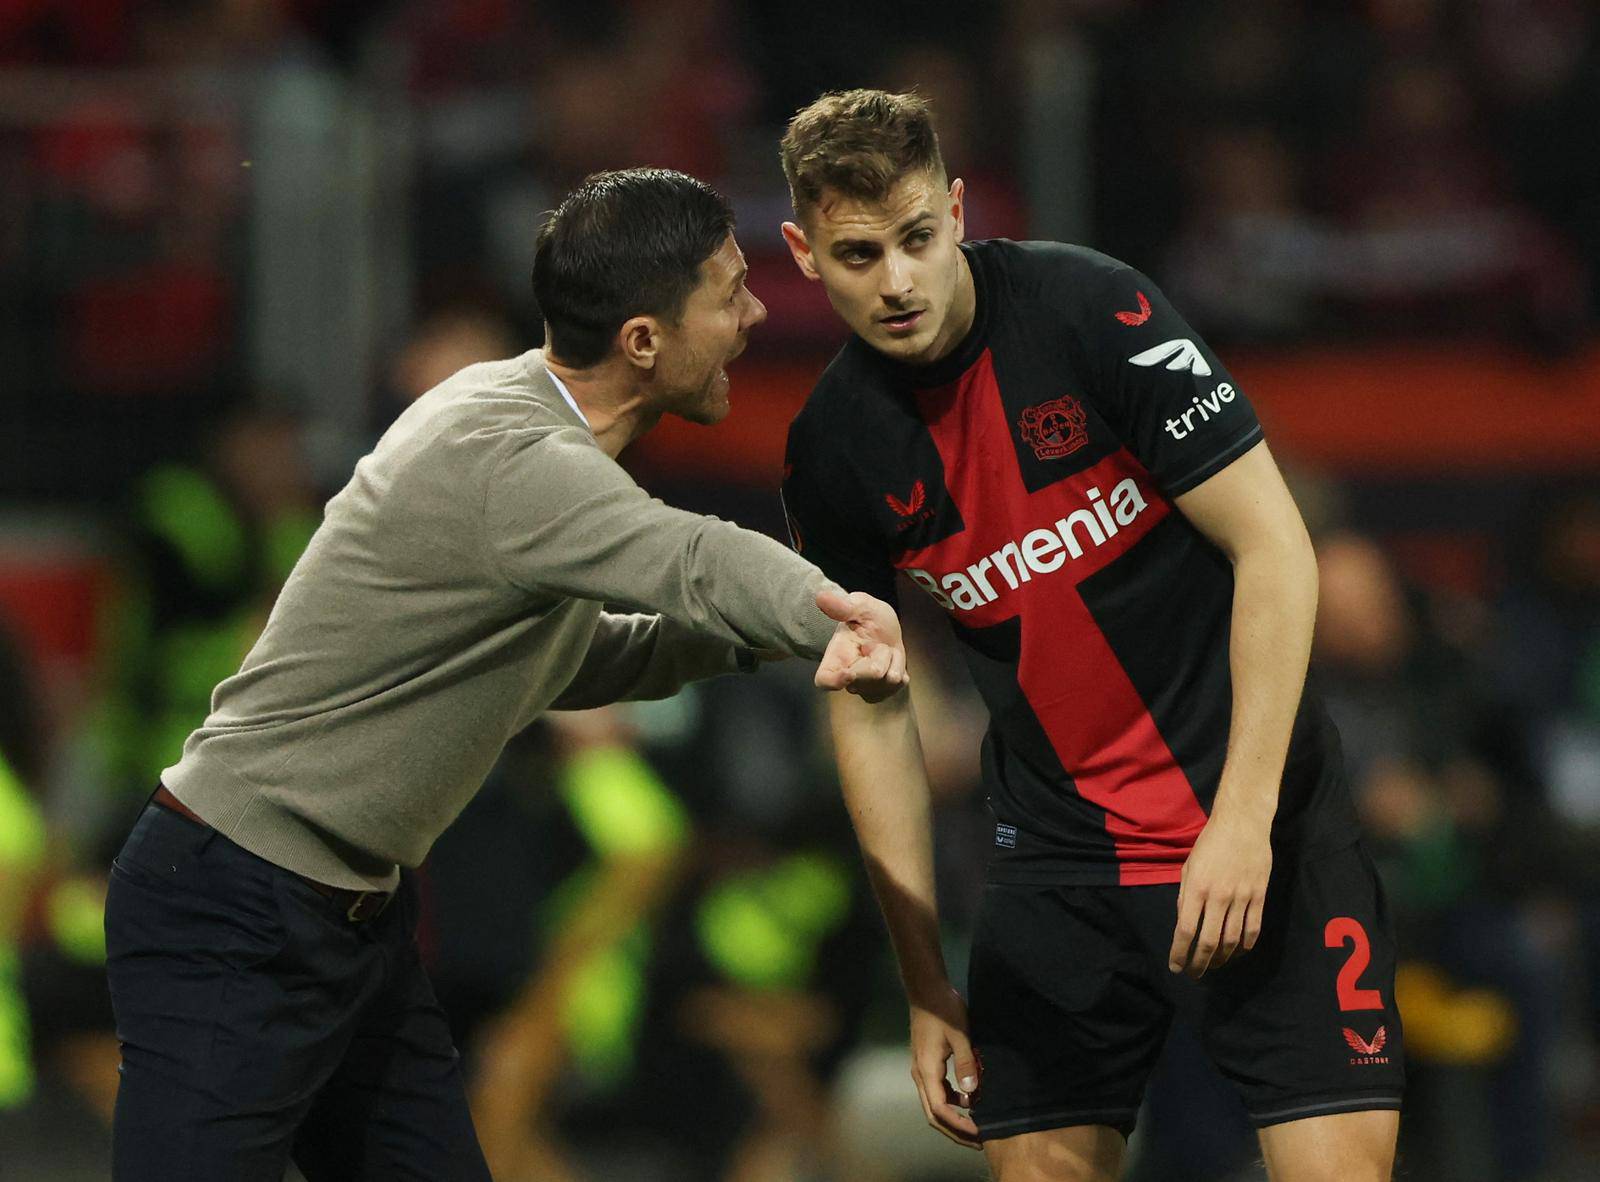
[1178,409]
[885,784]
[886,793]
[1248,513]
[563,519]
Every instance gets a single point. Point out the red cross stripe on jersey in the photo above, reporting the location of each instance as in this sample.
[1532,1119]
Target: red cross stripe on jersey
[1097,724]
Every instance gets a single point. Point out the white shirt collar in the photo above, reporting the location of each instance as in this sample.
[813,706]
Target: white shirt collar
[567,394]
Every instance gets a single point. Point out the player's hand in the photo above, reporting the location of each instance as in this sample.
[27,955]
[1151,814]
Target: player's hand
[1222,894]
[938,1032]
[866,655]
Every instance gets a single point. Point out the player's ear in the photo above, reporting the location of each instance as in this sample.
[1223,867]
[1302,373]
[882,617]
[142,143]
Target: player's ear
[800,249]
[958,207]
[640,338]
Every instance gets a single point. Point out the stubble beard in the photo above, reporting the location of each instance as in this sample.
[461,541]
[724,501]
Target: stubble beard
[706,404]
[910,350]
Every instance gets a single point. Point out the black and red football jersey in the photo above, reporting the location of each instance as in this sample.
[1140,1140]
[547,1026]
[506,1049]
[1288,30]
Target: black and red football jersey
[1026,483]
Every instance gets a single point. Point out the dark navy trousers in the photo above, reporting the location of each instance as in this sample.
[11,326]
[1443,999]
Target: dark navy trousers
[259,1024]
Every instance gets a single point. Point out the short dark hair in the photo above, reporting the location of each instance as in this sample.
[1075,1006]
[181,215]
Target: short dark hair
[858,143]
[623,244]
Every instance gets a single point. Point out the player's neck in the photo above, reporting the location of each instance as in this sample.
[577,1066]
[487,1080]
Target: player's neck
[609,397]
[963,311]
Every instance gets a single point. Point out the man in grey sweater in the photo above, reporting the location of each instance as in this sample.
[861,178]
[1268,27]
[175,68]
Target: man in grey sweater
[268,995]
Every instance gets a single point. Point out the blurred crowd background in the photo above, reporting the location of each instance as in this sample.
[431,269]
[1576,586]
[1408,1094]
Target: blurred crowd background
[237,236]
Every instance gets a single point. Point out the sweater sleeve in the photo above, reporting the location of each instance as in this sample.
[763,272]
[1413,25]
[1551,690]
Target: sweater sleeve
[564,519]
[638,657]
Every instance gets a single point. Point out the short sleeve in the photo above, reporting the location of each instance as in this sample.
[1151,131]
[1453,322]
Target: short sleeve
[1161,387]
[820,531]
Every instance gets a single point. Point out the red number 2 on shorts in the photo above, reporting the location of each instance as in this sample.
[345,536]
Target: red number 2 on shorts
[1352,996]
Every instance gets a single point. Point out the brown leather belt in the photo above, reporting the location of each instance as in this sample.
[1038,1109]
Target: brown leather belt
[358,906]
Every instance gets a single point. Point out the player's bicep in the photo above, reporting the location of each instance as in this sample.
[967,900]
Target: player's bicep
[1245,504]
[1167,393]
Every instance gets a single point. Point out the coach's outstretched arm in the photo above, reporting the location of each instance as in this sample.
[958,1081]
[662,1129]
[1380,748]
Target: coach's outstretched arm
[638,657]
[565,521]
[886,792]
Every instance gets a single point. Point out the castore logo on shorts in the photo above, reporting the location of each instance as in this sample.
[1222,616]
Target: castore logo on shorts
[1367,1052]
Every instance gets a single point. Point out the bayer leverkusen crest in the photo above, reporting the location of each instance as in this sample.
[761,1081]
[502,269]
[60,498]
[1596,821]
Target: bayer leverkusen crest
[1056,428]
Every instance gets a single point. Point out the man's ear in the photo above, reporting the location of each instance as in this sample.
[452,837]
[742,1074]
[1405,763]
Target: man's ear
[958,207]
[640,339]
[800,249]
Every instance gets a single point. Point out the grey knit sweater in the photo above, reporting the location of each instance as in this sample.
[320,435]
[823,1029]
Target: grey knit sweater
[453,592]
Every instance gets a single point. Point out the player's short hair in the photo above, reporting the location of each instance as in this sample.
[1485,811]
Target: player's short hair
[858,143]
[623,244]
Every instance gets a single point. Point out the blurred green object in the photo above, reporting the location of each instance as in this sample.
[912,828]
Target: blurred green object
[185,509]
[174,635]
[762,929]
[16,1054]
[77,914]
[620,805]
[22,832]
[601,1011]
[22,851]
[623,809]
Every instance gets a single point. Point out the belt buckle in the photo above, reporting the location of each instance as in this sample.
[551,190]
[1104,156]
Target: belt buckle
[367,905]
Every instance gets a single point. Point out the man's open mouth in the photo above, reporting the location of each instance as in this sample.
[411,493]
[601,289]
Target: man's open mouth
[903,321]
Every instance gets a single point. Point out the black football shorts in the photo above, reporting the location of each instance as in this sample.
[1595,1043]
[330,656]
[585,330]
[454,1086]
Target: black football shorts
[1070,1000]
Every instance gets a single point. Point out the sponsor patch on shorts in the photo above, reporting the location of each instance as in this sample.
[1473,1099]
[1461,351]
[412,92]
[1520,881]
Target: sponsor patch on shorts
[1006,835]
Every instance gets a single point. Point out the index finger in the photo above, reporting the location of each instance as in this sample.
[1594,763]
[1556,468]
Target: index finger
[834,666]
[940,1105]
[830,675]
[953,1122]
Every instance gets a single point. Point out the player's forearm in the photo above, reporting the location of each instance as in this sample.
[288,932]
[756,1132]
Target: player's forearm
[886,792]
[1274,607]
